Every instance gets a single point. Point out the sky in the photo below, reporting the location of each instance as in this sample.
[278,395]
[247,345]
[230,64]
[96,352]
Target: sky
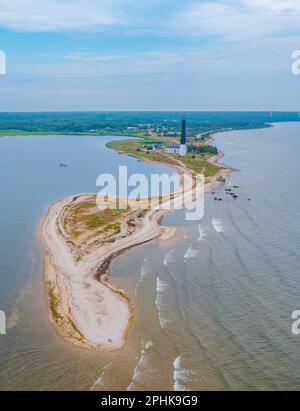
[69,55]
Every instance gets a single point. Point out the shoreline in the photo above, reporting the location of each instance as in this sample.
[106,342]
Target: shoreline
[85,308]
[79,323]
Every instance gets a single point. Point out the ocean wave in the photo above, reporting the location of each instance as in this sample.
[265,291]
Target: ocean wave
[146,270]
[170,257]
[202,233]
[141,369]
[218,225]
[100,382]
[190,253]
[161,287]
[181,376]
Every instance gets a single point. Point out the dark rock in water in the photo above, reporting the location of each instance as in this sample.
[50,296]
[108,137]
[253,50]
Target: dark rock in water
[215,199]
[236,186]
[63,165]
[220,199]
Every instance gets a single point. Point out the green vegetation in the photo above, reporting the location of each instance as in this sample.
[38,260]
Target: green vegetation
[54,303]
[111,240]
[84,216]
[200,164]
[8,133]
[138,149]
[197,159]
[150,125]
[115,226]
[127,146]
[163,124]
[202,149]
[94,221]
[80,336]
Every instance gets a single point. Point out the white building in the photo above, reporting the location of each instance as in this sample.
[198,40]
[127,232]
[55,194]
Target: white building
[172,149]
[183,150]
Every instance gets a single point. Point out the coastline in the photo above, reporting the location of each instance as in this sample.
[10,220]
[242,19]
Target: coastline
[85,308]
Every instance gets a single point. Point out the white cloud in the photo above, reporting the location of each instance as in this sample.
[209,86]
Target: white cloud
[230,18]
[239,19]
[82,64]
[290,6]
[63,15]
[211,18]
[58,15]
[199,62]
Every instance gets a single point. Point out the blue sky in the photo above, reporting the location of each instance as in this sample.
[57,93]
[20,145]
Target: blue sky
[149,55]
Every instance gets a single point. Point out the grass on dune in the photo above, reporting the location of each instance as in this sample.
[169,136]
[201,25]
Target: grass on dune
[197,163]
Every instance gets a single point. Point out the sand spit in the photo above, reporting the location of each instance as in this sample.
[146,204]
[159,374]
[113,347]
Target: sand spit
[86,309]
[84,306]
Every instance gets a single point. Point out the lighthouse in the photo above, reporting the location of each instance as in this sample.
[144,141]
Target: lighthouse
[183,147]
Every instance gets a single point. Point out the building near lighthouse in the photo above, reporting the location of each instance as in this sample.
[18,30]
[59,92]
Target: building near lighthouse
[172,148]
[181,148]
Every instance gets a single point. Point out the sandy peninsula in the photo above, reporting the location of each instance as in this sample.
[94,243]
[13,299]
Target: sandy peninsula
[86,309]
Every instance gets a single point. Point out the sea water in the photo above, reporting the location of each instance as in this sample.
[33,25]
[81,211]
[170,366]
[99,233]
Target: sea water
[213,305]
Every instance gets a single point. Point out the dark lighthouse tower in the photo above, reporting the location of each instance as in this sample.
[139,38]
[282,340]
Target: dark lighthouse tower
[183,132]
[183,147]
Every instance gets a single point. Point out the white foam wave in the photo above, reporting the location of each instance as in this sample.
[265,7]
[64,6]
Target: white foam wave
[100,383]
[181,376]
[145,272]
[141,368]
[202,233]
[218,225]
[170,257]
[145,269]
[190,253]
[161,287]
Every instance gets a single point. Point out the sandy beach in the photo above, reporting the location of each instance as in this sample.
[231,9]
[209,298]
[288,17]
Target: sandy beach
[86,309]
